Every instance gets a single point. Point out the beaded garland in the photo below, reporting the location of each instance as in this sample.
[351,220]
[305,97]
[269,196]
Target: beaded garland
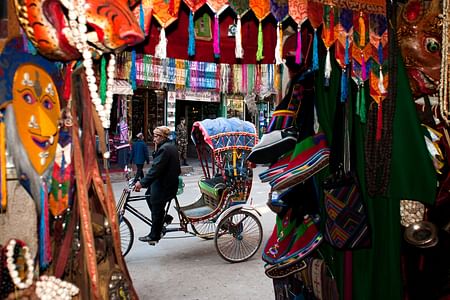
[18,260]
[77,32]
[50,287]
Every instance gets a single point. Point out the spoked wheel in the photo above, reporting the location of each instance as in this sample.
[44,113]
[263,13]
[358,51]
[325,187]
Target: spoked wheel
[126,235]
[204,229]
[238,236]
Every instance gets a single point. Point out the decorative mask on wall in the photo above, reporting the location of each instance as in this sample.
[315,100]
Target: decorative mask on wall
[27,82]
[109,25]
[36,107]
[419,35]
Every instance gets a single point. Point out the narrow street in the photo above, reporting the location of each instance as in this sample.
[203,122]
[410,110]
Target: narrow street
[182,266]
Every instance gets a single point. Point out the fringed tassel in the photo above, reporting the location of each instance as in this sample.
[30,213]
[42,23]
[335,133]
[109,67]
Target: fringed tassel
[379,121]
[381,82]
[45,255]
[216,36]
[363,68]
[315,52]
[278,47]
[141,18]
[344,86]
[161,48]
[327,68]
[133,70]
[362,30]
[103,80]
[191,44]
[298,52]
[362,106]
[358,100]
[239,51]
[3,192]
[259,52]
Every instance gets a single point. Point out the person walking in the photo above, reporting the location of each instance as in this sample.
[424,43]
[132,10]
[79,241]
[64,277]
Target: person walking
[139,155]
[182,140]
[161,181]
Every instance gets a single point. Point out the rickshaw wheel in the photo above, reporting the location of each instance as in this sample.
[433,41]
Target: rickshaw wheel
[238,236]
[204,230]
[126,235]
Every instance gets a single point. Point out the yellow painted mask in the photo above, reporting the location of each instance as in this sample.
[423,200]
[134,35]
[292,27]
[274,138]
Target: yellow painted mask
[37,109]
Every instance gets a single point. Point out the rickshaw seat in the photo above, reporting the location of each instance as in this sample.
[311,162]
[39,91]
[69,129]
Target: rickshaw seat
[213,187]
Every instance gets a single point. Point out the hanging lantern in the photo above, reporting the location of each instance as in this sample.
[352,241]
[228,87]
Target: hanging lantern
[343,47]
[217,7]
[315,13]
[328,36]
[280,10]
[298,10]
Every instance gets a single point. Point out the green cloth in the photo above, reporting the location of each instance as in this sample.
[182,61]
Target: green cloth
[377,271]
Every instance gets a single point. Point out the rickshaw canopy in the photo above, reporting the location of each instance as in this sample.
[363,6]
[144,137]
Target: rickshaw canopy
[223,134]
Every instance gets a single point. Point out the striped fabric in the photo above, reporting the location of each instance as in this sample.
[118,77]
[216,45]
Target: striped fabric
[346,225]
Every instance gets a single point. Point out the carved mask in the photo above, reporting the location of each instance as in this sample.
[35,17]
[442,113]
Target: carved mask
[419,35]
[37,109]
[111,26]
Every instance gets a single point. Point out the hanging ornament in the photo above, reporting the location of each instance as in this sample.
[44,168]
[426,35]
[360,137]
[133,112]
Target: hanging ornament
[240,7]
[344,31]
[361,54]
[378,72]
[328,36]
[261,9]
[298,10]
[143,12]
[193,5]
[165,12]
[217,7]
[280,10]
[315,13]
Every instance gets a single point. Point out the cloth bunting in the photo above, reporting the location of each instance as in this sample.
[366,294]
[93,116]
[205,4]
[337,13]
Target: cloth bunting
[143,13]
[298,10]
[217,7]
[165,13]
[344,31]
[378,71]
[261,9]
[240,7]
[315,13]
[361,54]
[193,5]
[280,10]
[330,18]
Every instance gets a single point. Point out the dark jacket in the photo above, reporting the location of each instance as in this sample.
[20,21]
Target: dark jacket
[162,177]
[139,153]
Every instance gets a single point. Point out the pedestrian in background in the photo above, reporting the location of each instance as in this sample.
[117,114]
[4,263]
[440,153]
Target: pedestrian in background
[139,155]
[182,140]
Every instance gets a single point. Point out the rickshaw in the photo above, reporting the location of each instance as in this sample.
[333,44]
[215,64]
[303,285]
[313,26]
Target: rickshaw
[221,212]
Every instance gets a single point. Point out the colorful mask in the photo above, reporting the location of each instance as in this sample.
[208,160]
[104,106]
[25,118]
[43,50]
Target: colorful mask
[36,108]
[419,35]
[110,25]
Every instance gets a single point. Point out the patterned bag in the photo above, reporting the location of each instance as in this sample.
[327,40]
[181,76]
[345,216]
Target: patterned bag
[346,224]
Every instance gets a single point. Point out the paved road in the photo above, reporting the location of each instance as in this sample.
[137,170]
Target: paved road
[186,267]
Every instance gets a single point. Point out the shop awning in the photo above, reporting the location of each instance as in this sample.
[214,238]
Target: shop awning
[122,87]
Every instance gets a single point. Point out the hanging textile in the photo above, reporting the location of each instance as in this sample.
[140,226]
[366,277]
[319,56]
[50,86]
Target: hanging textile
[298,10]
[217,7]
[343,48]
[193,5]
[165,13]
[330,17]
[261,9]
[361,53]
[280,10]
[315,13]
[143,12]
[240,7]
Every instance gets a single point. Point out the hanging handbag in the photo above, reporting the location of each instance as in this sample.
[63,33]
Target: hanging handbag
[346,221]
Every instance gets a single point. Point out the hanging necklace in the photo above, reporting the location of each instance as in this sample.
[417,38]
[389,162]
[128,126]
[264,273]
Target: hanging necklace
[79,38]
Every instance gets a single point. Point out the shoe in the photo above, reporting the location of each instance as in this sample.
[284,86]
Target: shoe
[147,239]
[168,219]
